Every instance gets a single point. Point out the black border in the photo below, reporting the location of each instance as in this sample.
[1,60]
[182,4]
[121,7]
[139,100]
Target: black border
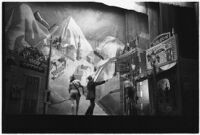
[95,124]
[98,124]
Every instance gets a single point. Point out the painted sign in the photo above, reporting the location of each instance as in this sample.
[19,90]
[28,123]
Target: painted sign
[159,39]
[123,67]
[165,53]
[57,67]
[33,59]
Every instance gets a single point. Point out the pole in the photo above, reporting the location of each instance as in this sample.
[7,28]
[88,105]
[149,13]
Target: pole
[47,92]
[153,64]
[155,89]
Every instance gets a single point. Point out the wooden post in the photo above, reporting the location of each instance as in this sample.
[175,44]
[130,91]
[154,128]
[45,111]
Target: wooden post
[178,93]
[47,92]
[155,91]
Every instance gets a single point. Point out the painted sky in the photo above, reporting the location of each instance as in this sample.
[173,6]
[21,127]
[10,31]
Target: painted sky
[97,21]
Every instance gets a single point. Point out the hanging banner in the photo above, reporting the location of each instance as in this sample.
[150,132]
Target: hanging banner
[165,51]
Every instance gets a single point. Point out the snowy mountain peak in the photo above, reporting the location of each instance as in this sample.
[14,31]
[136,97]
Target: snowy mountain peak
[72,35]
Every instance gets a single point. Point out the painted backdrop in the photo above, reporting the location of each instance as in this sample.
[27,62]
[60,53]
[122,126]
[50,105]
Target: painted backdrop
[74,30]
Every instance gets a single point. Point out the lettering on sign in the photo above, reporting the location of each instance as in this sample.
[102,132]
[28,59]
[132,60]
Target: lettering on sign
[32,59]
[159,39]
[165,52]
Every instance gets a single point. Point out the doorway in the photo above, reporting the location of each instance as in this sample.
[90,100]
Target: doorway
[30,96]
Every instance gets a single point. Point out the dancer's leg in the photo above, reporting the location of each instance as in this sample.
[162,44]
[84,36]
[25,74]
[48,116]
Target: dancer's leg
[92,106]
[72,107]
[77,104]
[89,109]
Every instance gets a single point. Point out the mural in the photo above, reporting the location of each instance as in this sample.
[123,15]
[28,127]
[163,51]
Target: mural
[25,39]
[31,35]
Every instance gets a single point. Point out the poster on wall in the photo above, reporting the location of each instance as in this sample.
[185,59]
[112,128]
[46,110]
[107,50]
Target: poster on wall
[57,67]
[164,51]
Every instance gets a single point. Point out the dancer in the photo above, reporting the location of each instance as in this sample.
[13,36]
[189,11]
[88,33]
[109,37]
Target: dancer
[75,93]
[91,87]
